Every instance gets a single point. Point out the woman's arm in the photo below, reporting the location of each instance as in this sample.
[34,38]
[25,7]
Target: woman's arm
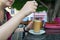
[7,28]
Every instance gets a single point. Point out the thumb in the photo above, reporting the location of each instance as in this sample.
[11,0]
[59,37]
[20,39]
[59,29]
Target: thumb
[30,24]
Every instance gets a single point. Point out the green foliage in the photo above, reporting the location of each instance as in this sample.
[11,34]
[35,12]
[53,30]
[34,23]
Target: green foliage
[41,8]
[18,4]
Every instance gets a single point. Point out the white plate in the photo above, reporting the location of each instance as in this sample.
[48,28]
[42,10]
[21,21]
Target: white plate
[38,33]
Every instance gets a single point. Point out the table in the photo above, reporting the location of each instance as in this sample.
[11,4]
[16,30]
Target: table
[34,37]
[42,37]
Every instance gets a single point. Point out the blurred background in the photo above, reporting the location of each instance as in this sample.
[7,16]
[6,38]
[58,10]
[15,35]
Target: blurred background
[43,7]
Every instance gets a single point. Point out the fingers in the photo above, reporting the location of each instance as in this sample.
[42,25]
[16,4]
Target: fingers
[30,7]
[19,30]
[35,3]
[34,6]
[30,25]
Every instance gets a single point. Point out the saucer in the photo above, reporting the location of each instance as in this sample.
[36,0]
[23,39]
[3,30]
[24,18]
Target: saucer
[37,33]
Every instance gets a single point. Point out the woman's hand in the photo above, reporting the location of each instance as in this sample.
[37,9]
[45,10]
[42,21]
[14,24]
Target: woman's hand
[29,7]
[29,26]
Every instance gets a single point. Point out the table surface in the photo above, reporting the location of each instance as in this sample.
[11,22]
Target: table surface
[42,37]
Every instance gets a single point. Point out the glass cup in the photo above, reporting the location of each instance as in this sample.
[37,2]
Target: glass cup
[37,24]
